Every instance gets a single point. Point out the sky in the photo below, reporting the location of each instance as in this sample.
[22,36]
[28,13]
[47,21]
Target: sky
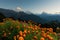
[35,6]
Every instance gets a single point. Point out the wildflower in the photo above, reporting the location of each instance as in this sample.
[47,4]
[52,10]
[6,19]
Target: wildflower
[20,33]
[21,38]
[35,37]
[25,31]
[4,35]
[28,31]
[24,35]
[14,37]
[17,36]
[42,38]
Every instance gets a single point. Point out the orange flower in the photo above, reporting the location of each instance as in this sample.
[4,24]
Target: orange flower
[35,37]
[51,38]
[48,36]
[25,31]
[44,35]
[35,28]
[21,38]
[47,32]
[42,38]
[42,32]
[28,31]
[24,35]
[31,27]
[47,29]
[20,33]
[43,29]
[50,30]
[54,33]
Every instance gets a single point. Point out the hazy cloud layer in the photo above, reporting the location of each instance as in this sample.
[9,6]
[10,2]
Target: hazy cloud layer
[19,9]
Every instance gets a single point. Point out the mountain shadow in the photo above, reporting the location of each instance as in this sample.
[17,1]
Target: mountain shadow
[1,17]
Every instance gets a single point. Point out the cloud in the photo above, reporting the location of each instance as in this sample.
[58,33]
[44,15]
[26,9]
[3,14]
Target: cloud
[19,9]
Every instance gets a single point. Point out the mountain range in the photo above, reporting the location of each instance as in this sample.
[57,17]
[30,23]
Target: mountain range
[41,18]
[21,15]
[50,17]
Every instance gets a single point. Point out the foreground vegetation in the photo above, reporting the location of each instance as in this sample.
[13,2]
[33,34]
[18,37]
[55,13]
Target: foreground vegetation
[17,30]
